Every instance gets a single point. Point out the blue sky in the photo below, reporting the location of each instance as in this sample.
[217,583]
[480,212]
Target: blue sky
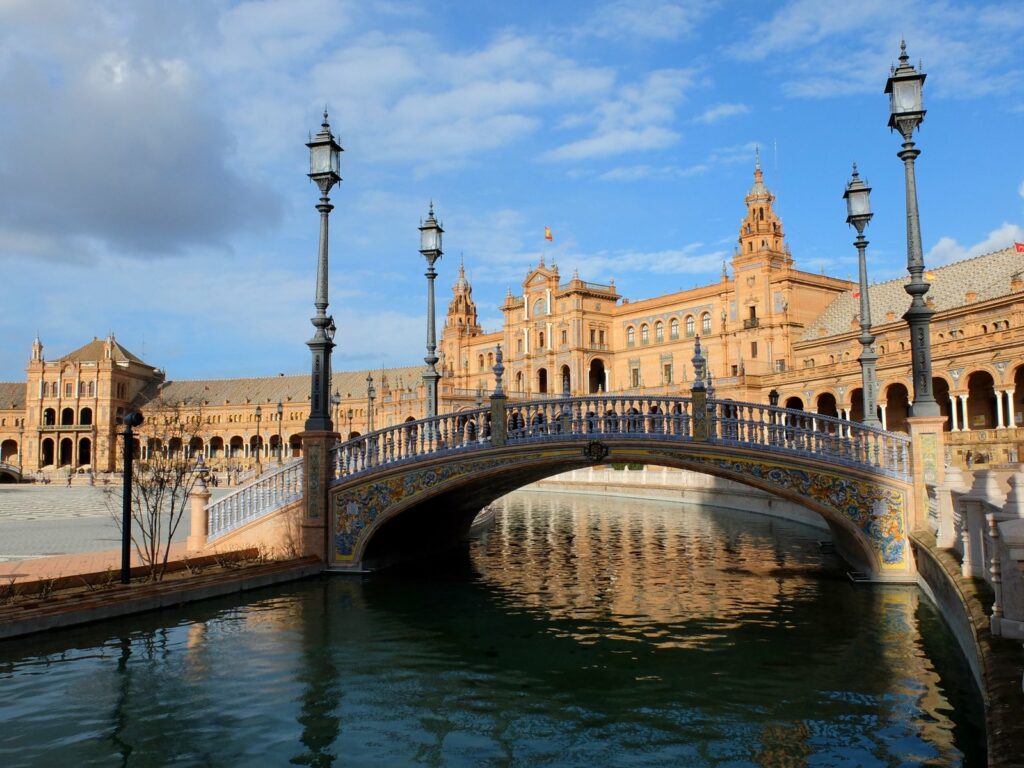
[152,178]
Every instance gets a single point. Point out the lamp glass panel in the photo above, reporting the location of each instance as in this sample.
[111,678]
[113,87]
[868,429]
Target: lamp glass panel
[857,203]
[906,96]
[430,239]
[320,160]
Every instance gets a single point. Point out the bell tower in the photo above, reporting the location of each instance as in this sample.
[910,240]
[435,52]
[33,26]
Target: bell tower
[461,320]
[761,236]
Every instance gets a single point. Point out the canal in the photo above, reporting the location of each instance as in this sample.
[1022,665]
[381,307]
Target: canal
[576,631]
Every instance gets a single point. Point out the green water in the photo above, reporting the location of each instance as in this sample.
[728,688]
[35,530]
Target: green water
[578,631]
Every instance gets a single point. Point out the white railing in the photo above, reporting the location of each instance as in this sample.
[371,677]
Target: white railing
[271,491]
[751,425]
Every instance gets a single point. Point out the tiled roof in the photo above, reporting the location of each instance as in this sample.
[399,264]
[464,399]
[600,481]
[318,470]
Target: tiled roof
[988,276]
[94,351]
[284,389]
[12,394]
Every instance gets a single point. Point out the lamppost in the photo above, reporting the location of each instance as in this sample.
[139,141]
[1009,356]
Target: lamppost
[906,111]
[773,398]
[858,214]
[430,247]
[280,445]
[371,393]
[259,417]
[131,419]
[335,411]
[324,169]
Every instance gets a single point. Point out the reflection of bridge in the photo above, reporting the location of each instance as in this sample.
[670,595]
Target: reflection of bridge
[412,488]
[9,473]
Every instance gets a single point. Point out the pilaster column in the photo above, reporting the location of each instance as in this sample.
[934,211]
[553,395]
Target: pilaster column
[317,470]
[999,409]
[1011,420]
[963,406]
[954,425]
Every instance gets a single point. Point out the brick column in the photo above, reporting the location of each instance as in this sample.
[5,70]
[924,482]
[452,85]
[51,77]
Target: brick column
[316,514]
[927,454]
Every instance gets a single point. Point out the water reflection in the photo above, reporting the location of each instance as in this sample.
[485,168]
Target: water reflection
[577,632]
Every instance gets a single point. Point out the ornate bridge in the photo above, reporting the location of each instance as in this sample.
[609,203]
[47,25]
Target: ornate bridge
[9,473]
[415,487]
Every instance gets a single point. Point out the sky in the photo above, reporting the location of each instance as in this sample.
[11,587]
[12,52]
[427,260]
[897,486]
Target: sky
[153,160]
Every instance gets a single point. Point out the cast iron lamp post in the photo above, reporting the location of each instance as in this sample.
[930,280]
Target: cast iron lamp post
[280,445]
[858,214]
[371,393]
[335,410]
[324,169]
[131,419]
[906,111]
[430,247]
[259,417]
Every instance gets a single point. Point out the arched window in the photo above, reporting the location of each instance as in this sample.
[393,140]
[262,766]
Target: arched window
[705,323]
[538,307]
[673,329]
[689,325]
[644,334]
[540,340]
[631,336]
[481,360]
[659,331]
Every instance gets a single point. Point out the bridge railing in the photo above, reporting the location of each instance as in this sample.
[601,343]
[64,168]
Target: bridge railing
[730,422]
[811,434]
[272,491]
[409,440]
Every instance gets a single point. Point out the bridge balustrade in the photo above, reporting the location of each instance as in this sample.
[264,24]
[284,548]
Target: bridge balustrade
[750,425]
[272,491]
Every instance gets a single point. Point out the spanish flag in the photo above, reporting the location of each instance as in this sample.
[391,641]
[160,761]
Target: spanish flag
[1019,247]
[929,276]
[547,234]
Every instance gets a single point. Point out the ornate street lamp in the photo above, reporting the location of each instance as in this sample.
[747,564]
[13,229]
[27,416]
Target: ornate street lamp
[858,214]
[430,247]
[280,445]
[773,398]
[906,111]
[259,417]
[335,410]
[371,393]
[324,169]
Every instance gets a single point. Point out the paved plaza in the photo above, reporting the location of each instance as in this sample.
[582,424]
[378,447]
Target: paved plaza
[43,521]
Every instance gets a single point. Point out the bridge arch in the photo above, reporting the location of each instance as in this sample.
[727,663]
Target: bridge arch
[441,512]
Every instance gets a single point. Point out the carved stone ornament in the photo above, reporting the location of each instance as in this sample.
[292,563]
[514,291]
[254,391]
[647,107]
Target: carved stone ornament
[595,450]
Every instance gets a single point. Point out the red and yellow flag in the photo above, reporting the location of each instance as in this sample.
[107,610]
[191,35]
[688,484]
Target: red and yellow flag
[547,234]
[929,276]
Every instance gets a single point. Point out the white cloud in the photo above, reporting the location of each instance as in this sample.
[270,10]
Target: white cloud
[647,19]
[948,250]
[1020,189]
[638,118]
[849,48]
[720,112]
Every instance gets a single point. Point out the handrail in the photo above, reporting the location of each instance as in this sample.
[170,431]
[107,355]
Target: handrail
[587,417]
[271,491]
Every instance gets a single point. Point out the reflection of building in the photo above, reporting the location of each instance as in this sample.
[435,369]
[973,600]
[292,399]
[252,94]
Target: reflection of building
[767,325]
